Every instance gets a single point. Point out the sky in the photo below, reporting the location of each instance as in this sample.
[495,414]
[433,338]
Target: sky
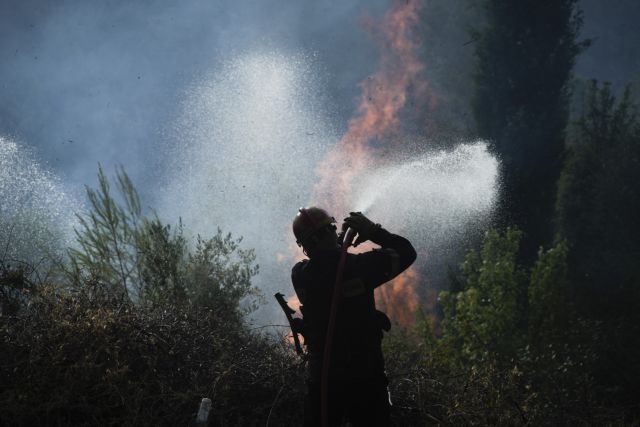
[614,55]
[101,81]
[88,82]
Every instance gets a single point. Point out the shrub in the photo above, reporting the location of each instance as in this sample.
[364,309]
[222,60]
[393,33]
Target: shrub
[139,329]
[512,349]
[74,359]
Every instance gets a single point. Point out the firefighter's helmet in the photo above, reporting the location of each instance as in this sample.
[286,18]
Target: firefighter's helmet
[310,224]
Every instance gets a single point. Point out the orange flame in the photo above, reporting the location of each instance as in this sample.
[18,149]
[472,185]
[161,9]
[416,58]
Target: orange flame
[384,97]
[398,298]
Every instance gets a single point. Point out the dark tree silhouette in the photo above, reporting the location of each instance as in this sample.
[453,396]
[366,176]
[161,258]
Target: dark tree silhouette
[525,54]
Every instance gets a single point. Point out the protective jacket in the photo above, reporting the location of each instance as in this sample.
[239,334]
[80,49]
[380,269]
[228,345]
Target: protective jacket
[356,350]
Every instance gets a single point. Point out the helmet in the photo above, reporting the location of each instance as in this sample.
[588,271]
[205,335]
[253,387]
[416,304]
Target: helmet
[309,223]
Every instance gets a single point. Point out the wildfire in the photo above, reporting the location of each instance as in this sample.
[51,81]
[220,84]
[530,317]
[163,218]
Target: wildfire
[384,96]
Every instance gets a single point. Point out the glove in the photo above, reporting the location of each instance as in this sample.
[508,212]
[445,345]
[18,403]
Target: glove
[365,228]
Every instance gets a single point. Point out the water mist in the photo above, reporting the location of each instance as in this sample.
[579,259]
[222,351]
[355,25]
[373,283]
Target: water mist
[244,158]
[37,215]
[434,197]
[244,155]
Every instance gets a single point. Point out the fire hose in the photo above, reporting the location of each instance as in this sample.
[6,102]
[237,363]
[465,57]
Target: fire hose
[335,301]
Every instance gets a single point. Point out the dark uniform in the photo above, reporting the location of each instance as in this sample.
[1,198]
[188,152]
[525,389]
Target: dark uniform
[357,381]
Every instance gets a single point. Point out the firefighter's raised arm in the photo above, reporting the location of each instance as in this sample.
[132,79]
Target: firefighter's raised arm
[395,255]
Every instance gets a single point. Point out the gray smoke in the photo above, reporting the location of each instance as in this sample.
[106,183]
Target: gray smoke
[87,81]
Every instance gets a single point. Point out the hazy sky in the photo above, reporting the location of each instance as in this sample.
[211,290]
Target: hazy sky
[615,51]
[84,82]
[100,81]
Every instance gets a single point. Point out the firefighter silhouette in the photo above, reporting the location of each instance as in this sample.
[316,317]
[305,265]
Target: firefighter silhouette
[354,384]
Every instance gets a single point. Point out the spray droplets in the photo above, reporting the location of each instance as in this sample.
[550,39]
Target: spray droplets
[435,196]
[245,152]
[36,214]
[248,148]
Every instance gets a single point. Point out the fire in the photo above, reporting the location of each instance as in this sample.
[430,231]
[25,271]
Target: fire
[383,100]
[398,299]
[384,94]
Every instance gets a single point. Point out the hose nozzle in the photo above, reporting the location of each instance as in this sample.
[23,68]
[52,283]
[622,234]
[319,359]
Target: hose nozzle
[347,238]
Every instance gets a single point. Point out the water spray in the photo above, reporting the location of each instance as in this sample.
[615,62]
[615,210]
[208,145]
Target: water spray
[434,196]
[36,211]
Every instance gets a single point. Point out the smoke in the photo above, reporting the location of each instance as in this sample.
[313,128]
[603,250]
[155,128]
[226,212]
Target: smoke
[87,82]
[247,146]
[383,98]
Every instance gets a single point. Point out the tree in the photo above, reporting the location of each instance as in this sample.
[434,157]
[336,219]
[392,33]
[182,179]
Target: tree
[447,52]
[598,202]
[485,319]
[107,238]
[515,330]
[598,211]
[525,54]
[550,310]
[129,256]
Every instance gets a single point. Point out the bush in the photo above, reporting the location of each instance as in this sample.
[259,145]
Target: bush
[511,351]
[73,359]
[139,329]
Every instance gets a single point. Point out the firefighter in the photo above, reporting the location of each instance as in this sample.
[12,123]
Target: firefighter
[357,384]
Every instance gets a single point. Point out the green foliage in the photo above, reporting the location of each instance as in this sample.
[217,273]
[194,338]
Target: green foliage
[549,305]
[513,327]
[220,271]
[553,340]
[132,257]
[512,349]
[525,54]
[108,237]
[485,318]
[162,255]
[598,203]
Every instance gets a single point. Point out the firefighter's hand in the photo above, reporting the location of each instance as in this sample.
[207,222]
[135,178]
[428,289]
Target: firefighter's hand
[365,228]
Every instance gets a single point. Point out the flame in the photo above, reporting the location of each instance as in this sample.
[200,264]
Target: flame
[384,95]
[382,103]
[398,298]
